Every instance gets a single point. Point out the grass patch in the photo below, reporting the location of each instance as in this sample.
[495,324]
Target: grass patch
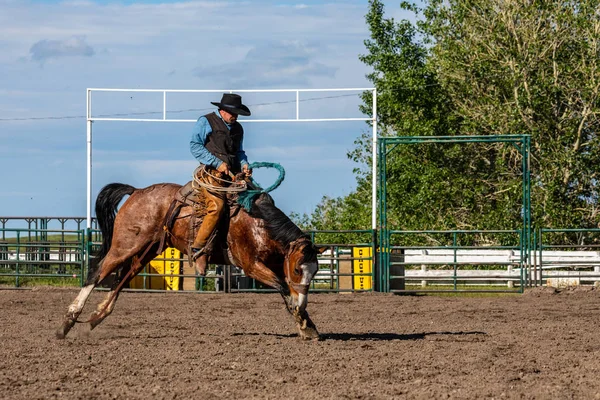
[30,281]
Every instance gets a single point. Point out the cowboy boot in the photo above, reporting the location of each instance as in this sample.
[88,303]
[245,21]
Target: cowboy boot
[201,263]
[214,209]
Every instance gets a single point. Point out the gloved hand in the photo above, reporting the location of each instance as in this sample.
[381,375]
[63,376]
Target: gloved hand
[223,168]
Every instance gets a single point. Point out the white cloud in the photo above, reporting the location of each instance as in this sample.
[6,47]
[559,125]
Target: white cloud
[273,64]
[126,154]
[16,194]
[77,3]
[287,152]
[74,46]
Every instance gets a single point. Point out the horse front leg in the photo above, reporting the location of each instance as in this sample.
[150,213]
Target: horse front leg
[262,273]
[306,327]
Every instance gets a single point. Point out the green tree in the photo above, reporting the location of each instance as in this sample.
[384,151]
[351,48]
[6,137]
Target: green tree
[529,67]
[483,67]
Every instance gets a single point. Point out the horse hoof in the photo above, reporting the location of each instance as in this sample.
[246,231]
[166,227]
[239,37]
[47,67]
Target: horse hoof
[66,326]
[94,320]
[307,330]
[309,334]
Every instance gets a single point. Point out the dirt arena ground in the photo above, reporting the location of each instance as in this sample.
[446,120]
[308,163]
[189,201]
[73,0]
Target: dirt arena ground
[540,345]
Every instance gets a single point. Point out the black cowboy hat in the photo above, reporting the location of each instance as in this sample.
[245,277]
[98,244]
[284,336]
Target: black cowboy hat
[232,103]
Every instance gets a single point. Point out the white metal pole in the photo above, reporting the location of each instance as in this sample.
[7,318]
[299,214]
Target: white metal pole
[89,159]
[297,105]
[374,194]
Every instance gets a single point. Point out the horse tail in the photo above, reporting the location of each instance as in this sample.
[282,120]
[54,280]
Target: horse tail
[106,211]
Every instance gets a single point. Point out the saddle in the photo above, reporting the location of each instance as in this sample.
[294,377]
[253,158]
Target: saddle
[189,195]
[192,197]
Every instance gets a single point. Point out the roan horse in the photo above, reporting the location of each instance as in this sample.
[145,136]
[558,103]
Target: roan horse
[264,242]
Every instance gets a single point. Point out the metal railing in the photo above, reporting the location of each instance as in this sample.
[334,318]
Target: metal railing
[339,268]
[442,261]
[566,264]
[41,256]
[347,264]
[46,250]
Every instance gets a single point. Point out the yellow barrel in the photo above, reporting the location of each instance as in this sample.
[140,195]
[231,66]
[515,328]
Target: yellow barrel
[168,263]
[362,266]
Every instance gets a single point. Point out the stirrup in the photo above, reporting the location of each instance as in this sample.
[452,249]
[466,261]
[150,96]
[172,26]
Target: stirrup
[197,253]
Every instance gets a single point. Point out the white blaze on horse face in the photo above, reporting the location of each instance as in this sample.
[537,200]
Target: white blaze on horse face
[308,271]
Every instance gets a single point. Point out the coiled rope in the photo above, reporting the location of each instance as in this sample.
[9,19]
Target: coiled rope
[246,196]
[200,179]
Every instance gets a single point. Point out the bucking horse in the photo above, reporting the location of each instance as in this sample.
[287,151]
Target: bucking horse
[262,241]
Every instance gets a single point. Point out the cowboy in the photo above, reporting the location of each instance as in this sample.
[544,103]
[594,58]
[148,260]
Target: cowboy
[217,143]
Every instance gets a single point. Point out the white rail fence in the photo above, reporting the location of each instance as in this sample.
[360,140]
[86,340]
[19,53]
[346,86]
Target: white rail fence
[501,267]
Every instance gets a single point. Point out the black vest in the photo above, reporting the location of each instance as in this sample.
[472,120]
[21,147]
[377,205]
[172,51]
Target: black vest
[225,143]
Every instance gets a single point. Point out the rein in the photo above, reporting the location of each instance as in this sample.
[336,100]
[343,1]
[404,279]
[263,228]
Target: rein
[298,287]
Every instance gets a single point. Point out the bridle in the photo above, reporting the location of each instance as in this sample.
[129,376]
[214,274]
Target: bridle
[298,287]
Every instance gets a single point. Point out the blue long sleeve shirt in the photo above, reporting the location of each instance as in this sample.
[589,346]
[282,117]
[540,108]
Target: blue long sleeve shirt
[199,135]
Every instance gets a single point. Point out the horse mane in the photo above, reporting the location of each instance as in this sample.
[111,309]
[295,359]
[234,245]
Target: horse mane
[281,227]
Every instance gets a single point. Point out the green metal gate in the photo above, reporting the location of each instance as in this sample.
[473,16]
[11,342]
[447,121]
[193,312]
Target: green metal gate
[387,144]
[41,256]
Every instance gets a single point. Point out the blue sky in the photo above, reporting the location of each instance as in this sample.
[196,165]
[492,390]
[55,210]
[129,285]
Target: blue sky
[51,51]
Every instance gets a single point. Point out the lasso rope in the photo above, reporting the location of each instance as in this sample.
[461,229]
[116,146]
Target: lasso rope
[245,198]
[200,180]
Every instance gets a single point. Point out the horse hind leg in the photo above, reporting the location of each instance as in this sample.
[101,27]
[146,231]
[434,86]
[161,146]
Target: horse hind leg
[105,268]
[74,311]
[106,307]
[76,307]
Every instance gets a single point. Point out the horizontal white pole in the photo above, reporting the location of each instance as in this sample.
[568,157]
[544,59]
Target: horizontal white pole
[239,120]
[228,90]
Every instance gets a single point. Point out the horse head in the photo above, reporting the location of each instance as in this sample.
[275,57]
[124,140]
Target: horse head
[299,267]
[278,254]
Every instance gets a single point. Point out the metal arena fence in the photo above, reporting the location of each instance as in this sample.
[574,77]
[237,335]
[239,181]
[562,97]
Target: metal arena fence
[54,251]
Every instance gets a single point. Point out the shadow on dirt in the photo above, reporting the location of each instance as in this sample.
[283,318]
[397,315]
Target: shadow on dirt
[390,336]
[368,336]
